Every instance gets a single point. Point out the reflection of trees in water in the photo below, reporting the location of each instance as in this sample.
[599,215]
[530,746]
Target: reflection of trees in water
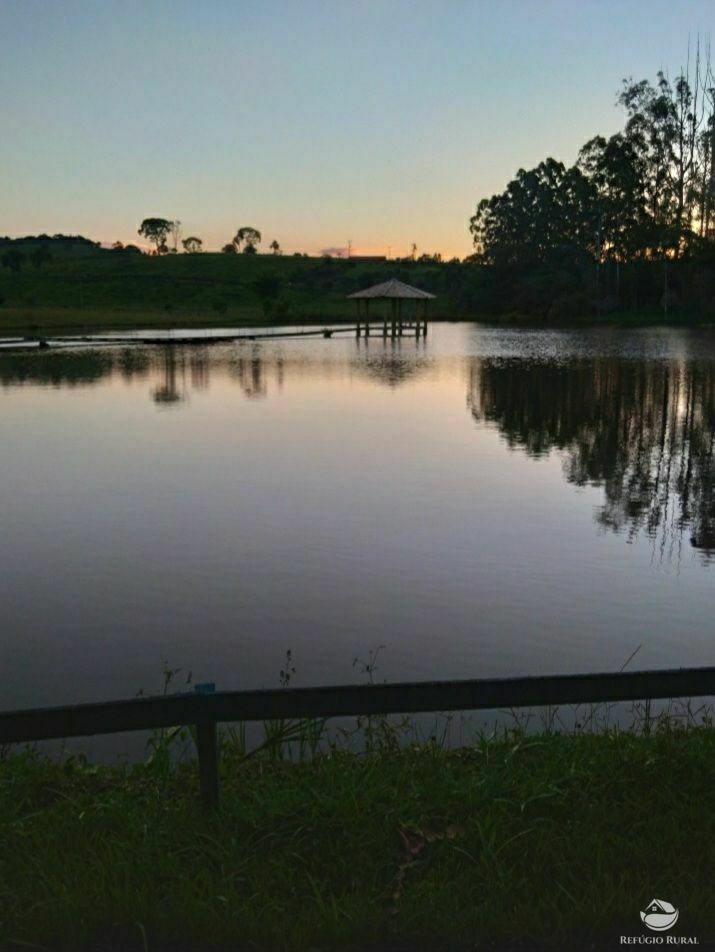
[79,368]
[172,389]
[173,371]
[132,363]
[199,368]
[250,372]
[83,367]
[392,367]
[644,431]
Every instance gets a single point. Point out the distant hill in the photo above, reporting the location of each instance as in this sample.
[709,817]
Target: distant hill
[74,273]
[57,245]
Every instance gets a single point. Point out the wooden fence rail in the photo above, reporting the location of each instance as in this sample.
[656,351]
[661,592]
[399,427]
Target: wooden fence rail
[205,711]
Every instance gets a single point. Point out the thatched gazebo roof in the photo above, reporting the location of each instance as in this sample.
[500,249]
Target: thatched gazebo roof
[394,290]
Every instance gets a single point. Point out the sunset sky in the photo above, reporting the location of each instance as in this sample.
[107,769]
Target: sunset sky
[317,121]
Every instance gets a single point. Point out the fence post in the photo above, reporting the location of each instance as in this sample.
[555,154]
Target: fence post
[207,748]
[207,744]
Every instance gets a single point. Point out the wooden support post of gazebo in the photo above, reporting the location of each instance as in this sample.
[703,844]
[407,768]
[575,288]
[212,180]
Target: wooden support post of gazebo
[396,292]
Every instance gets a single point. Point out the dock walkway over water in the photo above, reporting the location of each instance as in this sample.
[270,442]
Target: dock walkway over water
[411,328]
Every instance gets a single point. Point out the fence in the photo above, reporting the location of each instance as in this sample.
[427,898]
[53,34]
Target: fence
[205,711]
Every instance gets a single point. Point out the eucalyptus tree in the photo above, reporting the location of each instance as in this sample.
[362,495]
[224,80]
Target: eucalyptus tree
[616,173]
[175,231]
[247,236]
[156,230]
[546,210]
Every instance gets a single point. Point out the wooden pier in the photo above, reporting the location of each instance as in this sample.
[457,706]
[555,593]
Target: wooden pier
[364,328]
[393,328]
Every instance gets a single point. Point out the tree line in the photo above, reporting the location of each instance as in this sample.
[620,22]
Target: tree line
[161,231]
[639,202]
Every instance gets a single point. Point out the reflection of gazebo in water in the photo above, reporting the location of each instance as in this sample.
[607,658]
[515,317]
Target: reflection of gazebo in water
[395,292]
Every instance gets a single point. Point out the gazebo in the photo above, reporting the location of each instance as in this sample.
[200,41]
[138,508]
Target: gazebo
[395,292]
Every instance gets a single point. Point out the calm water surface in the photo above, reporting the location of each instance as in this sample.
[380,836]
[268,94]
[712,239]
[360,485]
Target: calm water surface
[485,502]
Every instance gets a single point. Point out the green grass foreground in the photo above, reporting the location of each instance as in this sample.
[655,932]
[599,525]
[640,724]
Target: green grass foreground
[555,838]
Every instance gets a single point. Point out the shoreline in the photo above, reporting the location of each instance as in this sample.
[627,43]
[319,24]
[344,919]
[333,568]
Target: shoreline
[34,323]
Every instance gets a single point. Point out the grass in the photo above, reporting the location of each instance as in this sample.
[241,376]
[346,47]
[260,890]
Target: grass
[105,289]
[554,837]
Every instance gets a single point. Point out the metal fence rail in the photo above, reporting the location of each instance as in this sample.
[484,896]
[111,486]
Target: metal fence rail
[205,711]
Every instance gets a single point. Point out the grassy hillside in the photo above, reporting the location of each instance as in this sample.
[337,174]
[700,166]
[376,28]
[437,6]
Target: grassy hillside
[80,286]
[106,287]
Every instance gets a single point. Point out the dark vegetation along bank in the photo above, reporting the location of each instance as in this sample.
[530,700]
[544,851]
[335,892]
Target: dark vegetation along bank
[627,233]
[547,841]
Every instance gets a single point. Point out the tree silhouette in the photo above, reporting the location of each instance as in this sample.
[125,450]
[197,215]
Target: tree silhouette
[156,231]
[249,237]
[192,245]
[175,231]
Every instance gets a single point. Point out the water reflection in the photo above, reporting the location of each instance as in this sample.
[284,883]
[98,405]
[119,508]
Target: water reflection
[178,370]
[250,373]
[642,430]
[393,367]
[214,505]
[61,369]
[172,389]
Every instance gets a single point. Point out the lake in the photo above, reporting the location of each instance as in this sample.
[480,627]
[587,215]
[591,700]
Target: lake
[484,502]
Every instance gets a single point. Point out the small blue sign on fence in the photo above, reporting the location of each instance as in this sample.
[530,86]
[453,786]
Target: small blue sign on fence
[208,687]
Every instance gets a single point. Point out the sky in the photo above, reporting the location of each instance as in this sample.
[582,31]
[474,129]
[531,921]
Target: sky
[380,122]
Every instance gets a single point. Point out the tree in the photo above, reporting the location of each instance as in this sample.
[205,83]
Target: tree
[671,125]
[275,247]
[156,230]
[617,175]
[229,249]
[175,231]
[413,251]
[543,212]
[192,245]
[248,236]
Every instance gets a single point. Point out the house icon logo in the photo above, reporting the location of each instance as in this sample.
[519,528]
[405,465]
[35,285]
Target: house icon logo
[659,915]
